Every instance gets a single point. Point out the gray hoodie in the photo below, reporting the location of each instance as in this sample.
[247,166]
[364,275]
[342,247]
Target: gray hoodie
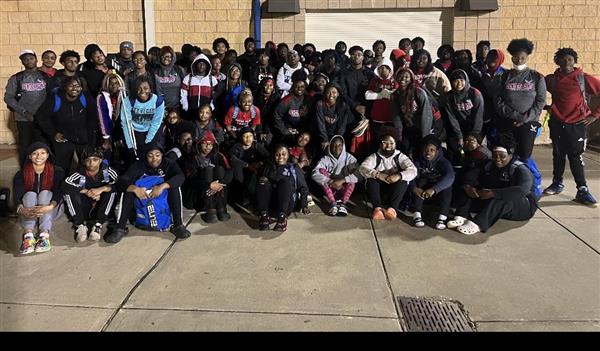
[522,96]
[33,93]
[330,167]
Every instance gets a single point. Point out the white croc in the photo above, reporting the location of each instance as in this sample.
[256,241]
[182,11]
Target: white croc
[456,222]
[469,228]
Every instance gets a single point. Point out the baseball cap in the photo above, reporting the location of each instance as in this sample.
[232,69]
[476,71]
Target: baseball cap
[27,52]
[126,44]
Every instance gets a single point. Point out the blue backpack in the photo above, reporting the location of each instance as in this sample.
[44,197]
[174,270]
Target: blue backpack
[58,102]
[152,214]
[537,177]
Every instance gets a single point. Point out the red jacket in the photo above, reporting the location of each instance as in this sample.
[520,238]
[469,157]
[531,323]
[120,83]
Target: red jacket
[568,104]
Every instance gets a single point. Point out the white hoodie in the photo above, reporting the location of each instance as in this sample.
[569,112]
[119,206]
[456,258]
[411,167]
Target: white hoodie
[345,165]
[388,164]
[284,78]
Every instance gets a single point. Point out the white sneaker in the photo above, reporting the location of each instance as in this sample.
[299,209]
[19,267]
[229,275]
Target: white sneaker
[456,222]
[81,233]
[333,211]
[96,232]
[342,210]
[309,200]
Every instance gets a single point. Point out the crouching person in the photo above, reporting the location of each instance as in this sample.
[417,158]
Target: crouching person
[387,170]
[335,174]
[134,185]
[503,188]
[37,194]
[90,195]
[279,188]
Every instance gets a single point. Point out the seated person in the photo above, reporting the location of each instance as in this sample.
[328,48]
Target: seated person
[247,157]
[152,163]
[503,188]
[89,194]
[172,128]
[388,171]
[37,194]
[243,114]
[301,153]
[207,174]
[335,173]
[206,122]
[279,188]
[435,176]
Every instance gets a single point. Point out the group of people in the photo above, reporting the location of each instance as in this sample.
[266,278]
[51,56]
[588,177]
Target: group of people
[136,137]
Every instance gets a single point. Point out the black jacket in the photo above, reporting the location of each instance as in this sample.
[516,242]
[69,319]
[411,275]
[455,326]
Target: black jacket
[168,169]
[275,172]
[79,180]
[354,83]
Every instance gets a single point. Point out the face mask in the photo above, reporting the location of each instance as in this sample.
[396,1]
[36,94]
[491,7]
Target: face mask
[387,153]
[520,67]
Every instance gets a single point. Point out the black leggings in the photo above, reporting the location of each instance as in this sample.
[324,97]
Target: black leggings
[276,197]
[396,192]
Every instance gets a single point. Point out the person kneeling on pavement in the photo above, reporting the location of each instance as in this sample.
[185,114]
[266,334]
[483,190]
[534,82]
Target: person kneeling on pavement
[503,188]
[89,194]
[152,164]
[387,170]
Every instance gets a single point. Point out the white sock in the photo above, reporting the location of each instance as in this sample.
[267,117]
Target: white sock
[417,215]
[28,235]
[442,217]
[44,234]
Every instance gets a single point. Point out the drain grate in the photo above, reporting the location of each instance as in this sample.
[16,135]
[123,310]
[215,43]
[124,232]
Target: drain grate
[435,314]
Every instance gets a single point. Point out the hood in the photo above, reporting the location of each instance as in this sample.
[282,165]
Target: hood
[385,62]
[573,75]
[460,74]
[499,60]
[430,139]
[198,58]
[343,154]
[206,136]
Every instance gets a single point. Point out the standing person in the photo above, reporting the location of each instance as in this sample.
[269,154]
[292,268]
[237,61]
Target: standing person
[570,116]
[266,99]
[261,70]
[463,59]
[491,80]
[387,171]
[168,78]
[428,76]
[24,94]
[330,67]
[332,115]
[94,68]
[198,87]
[228,91]
[335,173]
[405,44]
[380,90]
[244,114]
[248,58]
[153,58]
[369,58]
[417,43]
[48,61]
[464,109]
[378,50]
[521,99]
[89,194]
[215,72]
[220,47]
[354,82]
[284,76]
[280,187]
[69,119]
[291,116]
[142,69]
[481,52]
[444,62]
[36,191]
[123,60]
[70,61]
[281,56]
[152,163]
[141,117]
[341,60]
[108,104]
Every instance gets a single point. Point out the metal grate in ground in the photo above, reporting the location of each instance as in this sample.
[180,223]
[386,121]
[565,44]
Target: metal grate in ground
[435,314]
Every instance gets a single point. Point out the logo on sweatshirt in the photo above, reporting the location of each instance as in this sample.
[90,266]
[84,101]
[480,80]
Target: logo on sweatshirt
[167,80]
[464,105]
[37,86]
[526,86]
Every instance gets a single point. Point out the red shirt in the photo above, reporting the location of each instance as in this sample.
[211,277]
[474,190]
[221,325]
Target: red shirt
[568,103]
[381,110]
[243,118]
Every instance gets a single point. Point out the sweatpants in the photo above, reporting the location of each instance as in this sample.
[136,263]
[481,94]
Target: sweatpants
[126,203]
[524,137]
[31,199]
[342,194]
[80,206]
[276,197]
[568,141]
[444,198]
[395,191]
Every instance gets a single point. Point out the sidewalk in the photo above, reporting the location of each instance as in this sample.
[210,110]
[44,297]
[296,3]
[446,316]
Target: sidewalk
[323,274]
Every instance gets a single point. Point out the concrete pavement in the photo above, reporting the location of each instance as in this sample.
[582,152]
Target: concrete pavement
[323,274]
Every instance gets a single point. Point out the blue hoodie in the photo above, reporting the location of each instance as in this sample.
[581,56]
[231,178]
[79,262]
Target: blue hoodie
[438,171]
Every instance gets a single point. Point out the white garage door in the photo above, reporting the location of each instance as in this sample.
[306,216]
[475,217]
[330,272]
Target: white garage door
[324,29]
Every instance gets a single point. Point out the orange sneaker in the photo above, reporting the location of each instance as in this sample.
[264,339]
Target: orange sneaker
[378,214]
[390,214]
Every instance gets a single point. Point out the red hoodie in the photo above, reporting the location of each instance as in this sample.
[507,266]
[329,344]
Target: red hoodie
[568,104]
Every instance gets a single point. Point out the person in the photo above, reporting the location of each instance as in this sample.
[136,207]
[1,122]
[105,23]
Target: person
[89,194]
[428,76]
[153,56]
[25,92]
[570,116]
[317,86]
[474,158]
[463,59]
[281,56]
[388,170]
[503,188]
[220,47]
[342,61]
[108,104]
[183,150]
[464,109]
[380,90]
[434,180]
[141,118]
[188,55]
[228,91]
[308,49]
[142,69]
[123,60]
[172,128]
[519,103]
[378,50]
[70,61]
[248,58]
[405,44]
[205,122]
[482,50]
[281,185]
[369,58]
[330,67]
[247,157]
[494,69]
[411,112]
[332,114]
[243,115]
[48,61]
[399,59]
[354,82]
[266,99]
[208,174]
[260,71]
[198,87]
[284,76]
[215,72]
[444,61]
[168,78]
[94,68]
[291,116]
[37,194]
[69,119]
[301,153]
[335,173]
[417,43]
[152,163]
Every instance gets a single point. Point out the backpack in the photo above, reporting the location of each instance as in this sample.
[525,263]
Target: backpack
[537,176]
[435,105]
[152,214]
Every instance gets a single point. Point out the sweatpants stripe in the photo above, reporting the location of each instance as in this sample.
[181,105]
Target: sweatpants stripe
[120,208]
[70,205]
[110,203]
[181,205]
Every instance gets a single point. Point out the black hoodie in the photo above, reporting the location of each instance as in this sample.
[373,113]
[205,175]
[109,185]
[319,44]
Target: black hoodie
[168,169]
[464,108]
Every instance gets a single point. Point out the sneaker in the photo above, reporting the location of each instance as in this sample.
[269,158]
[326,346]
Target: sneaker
[281,225]
[390,214]
[583,196]
[418,222]
[456,222]
[223,216]
[81,233]
[210,216]
[342,210]
[43,244]
[115,235]
[309,200]
[96,232]
[28,245]
[378,214]
[180,232]
[554,188]
[440,224]
[333,210]
[263,222]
